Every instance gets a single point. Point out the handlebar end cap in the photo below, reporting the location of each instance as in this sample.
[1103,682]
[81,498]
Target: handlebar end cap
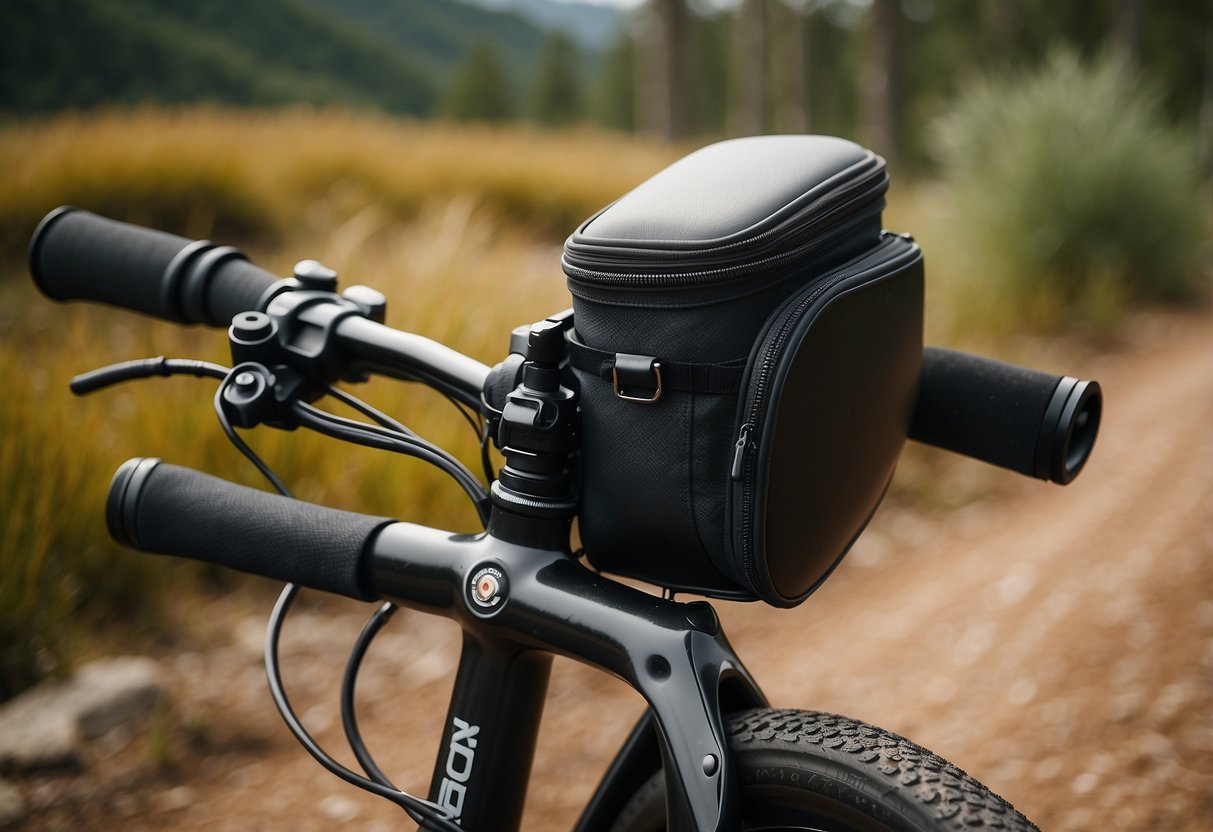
[122,503]
[35,243]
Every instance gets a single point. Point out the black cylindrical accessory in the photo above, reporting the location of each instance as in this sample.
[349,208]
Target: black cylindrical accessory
[1038,424]
[169,510]
[78,255]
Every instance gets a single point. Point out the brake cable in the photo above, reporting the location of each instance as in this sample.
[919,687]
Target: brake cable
[421,811]
[389,434]
[349,717]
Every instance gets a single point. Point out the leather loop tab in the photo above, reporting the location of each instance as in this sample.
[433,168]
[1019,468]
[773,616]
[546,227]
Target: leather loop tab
[636,373]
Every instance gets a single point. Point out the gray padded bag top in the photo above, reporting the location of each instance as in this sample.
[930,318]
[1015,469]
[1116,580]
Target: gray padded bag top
[727,191]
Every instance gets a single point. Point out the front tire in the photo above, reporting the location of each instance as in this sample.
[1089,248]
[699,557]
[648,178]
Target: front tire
[806,770]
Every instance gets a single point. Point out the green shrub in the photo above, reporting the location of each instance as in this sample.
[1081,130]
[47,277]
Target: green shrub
[1072,199]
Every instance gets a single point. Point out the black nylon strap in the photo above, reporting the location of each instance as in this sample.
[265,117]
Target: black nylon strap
[725,377]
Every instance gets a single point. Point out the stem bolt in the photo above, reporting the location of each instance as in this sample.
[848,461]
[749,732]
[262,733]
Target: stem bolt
[487,590]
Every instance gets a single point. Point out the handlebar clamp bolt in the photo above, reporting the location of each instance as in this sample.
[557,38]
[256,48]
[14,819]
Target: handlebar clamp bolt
[371,301]
[315,276]
[251,327]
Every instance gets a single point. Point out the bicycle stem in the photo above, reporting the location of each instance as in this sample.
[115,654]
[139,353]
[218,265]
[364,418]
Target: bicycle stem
[539,600]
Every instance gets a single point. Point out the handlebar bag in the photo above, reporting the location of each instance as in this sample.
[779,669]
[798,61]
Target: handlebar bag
[748,343]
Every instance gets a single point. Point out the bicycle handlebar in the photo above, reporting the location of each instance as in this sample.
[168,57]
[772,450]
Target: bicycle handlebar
[1035,423]
[77,255]
[1038,424]
[169,510]
[393,352]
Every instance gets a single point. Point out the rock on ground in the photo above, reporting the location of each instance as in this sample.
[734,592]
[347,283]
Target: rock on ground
[45,726]
[12,805]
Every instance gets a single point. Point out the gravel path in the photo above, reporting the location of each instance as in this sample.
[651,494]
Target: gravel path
[1055,643]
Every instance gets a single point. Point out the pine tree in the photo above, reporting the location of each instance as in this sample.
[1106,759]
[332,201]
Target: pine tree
[711,42]
[480,90]
[751,34]
[882,79]
[663,69]
[556,92]
[791,67]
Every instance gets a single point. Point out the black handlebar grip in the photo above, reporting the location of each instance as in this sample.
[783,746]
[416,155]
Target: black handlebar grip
[170,510]
[1035,423]
[77,255]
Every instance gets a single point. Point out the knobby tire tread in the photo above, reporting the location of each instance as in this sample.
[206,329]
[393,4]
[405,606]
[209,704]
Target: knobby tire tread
[815,759]
[941,791]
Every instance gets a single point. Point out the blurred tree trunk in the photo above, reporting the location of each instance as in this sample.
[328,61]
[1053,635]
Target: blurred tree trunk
[1126,32]
[663,78]
[792,52]
[1206,104]
[832,78]
[999,24]
[880,97]
[614,95]
[749,68]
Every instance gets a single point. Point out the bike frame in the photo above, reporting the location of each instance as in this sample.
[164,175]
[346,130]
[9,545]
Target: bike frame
[674,654]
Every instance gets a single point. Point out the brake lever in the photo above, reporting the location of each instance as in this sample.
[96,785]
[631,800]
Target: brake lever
[102,377]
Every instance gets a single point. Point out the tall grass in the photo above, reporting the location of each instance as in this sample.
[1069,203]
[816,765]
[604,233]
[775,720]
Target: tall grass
[459,227]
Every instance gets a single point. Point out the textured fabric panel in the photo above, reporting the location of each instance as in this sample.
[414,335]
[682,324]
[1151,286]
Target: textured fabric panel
[637,513]
[717,333]
[713,432]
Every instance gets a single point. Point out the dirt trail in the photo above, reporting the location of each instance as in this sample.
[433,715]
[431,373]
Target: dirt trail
[1056,643]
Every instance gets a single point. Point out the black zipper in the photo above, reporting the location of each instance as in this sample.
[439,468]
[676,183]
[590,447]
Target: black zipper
[739,449]
[743,469]
[855,195]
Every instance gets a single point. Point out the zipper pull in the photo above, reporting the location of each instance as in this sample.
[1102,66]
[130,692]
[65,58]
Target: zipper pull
[739,449]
